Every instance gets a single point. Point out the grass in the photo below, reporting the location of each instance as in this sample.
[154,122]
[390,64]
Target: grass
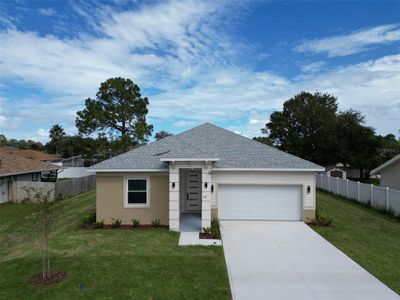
[109,263]
[369,237]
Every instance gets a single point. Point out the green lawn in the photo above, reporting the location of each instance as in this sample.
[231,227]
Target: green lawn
[369,237]
[110,263]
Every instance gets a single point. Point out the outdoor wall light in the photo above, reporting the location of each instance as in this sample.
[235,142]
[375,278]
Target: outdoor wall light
[212,188]
[205,185]
[308,189]
[173,185]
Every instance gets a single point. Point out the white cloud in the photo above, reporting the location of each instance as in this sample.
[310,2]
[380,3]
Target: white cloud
[42,133]
[178,48]
[355,42]
[48,12]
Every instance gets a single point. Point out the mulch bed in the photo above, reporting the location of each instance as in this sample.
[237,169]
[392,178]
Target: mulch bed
[144,226]
[55,277]
[206,236]
[320,223]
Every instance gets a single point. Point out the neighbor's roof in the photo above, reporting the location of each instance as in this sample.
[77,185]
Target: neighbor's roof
[33,154]
[11,164]
[207,142]
[386,164]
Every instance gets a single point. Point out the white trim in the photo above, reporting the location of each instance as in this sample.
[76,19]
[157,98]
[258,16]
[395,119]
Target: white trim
[126,170]
[189,159]
[268,169]
[126,205]
[386,164]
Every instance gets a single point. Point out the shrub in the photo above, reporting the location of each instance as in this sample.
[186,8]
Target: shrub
[321,219]
[100,224]
[156,222]
[215,232]
[135,223]
[90,218]
[115,223]
[206,230]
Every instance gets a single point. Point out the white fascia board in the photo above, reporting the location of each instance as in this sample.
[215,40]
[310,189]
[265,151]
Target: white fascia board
[268,170]
[386,164]
[125,170]
[189,159]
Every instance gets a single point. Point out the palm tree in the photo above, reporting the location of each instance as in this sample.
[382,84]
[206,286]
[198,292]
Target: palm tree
[56,134]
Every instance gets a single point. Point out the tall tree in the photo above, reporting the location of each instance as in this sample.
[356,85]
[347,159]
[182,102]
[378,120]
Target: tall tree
[306,127]
[357,144]
[56,134]
[162,134]
[118,108]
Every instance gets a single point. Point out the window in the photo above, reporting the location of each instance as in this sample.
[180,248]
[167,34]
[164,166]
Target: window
[35,177]
[137,192]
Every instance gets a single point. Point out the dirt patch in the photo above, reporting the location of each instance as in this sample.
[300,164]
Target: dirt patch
[144,226]
[55,277]
[206,236]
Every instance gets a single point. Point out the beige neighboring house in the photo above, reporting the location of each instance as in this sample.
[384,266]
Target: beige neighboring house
[18,168]
[206,172]
[389,173]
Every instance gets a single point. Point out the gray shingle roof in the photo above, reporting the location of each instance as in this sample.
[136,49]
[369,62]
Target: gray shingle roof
[206,141]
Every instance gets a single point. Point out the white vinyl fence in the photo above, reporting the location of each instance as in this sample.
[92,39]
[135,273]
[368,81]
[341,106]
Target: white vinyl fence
[62,189]
[377,197]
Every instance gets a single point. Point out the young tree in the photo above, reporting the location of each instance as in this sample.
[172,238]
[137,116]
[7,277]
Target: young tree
[56,134]
[44,209]
[162,134]
[118,108]
[306,127]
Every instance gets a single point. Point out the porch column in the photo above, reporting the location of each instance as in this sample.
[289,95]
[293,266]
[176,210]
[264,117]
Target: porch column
[173,197]
[206,196]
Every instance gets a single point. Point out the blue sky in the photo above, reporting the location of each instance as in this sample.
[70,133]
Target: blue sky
[231,63]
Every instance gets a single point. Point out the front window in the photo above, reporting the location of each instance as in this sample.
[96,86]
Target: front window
[137,194]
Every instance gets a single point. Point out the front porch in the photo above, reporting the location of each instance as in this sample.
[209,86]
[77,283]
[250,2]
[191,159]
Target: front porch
[189,194]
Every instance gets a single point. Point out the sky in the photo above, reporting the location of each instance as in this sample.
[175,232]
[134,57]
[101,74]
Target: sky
[231,63]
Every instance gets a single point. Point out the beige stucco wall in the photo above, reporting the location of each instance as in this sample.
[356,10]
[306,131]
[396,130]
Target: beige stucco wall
[303,179]
[110,198]
[390,176]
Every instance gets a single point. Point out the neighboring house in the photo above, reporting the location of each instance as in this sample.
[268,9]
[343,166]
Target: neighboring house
[17,168]
[73,161]
[342,171]
[209,171]
[34,154]
[389,173]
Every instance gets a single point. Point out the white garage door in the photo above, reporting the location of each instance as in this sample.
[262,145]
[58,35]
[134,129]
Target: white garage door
[259,202]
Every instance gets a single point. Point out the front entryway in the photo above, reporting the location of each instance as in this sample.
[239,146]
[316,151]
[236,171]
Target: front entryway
[193,190]
[190,222]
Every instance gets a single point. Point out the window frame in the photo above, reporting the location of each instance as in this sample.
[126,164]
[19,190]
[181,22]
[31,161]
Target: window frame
[35,177]
[126,186]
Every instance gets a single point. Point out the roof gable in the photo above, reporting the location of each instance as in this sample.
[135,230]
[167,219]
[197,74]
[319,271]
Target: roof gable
[207,141]
[386,164]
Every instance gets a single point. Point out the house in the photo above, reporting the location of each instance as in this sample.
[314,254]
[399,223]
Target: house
[389,173]
[207,172]
[342,171]
[17,168]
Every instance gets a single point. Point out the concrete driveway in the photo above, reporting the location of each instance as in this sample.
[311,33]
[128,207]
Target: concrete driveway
[288,260]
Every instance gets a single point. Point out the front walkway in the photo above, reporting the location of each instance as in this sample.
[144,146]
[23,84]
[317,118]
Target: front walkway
[288,260]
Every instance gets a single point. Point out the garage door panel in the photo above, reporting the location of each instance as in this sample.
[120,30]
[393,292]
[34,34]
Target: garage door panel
[259,202]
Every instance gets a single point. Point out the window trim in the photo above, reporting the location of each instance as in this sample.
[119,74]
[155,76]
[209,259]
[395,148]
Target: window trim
[137,205]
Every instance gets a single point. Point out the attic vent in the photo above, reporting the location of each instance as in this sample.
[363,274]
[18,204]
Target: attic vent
[161,153]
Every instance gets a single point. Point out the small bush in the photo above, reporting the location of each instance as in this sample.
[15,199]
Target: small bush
[90,218]
[215,232]
[116,223]
[100,224]
[135,223]
[156,222]
[206,230]
[321,219]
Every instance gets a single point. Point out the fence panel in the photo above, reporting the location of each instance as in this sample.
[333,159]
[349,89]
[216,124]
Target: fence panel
[394,202]
[378,197]
[63,189]
[365,193]
[353,190]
